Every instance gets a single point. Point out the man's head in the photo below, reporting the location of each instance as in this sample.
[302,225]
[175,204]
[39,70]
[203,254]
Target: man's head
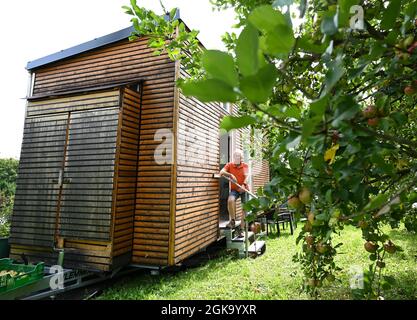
[237,157]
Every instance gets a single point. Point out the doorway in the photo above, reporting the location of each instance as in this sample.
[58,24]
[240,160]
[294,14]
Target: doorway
[225,147]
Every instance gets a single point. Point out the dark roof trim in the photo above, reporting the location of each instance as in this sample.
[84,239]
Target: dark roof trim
[86,46]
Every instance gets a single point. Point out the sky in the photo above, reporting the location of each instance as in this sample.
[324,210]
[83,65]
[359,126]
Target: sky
[33,29]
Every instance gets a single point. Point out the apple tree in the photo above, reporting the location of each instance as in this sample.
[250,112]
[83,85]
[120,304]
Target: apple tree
[334,85]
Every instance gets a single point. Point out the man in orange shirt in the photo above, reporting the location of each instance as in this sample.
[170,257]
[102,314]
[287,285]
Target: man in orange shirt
[238,171]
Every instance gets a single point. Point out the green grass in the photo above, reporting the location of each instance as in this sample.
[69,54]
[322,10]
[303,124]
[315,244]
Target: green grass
[273,275]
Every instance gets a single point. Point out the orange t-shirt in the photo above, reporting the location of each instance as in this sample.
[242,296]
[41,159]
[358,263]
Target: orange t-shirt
[239,171]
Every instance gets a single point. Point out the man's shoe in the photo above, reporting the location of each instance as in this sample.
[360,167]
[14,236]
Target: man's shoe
[231,224]
[240,233]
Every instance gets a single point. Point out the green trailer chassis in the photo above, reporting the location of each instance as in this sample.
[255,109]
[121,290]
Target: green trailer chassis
[73,279]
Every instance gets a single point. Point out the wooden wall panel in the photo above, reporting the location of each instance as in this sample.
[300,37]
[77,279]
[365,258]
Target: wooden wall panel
[122,61]
[83,102]
[85,197]
[37,191]
[197,192]
[260,169]
[76,134]
[126,173]
[126,61]
[151,225]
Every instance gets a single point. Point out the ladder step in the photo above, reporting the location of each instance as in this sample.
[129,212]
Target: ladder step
[257,247]
[242,239]
[223,226]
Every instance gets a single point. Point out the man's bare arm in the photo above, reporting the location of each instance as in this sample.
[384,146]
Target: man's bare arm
[223,172]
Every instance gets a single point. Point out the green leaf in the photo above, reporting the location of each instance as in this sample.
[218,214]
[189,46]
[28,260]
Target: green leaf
[390,14]
[346,110]
[266,18]
[306,44]
[220,65]
[318,107]
[230,122]
[308,127]
[135,22]
[376,202]
[173,13]
[295,162]
[329,25]
[128,10]
[293,142]
[333,75]
[292,112]
[399,117]
[258,88]
[278,41]
[328,196]
[134,5]
[209,90]
[284,111]
[247,51]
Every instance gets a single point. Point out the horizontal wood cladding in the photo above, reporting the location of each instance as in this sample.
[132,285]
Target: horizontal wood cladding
[106,99]
[125,182]
[81,194]
[151,223]
[197,192]
[123,61]
[77,136]
[87,256]
[260,173]
[36,191]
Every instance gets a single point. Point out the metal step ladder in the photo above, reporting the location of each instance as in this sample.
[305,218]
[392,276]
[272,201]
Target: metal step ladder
[246,245]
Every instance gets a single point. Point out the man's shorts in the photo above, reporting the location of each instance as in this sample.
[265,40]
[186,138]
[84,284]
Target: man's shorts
[243,195]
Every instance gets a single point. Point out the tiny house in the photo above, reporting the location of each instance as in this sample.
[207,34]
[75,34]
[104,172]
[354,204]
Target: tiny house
[116,165]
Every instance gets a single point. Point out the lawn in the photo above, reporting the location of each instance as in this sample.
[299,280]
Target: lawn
[273,275]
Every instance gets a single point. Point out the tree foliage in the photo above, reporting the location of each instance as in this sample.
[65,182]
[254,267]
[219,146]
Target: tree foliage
[340,108]
[8,175]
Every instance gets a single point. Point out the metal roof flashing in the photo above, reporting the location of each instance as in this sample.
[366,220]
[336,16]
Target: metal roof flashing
[86,46]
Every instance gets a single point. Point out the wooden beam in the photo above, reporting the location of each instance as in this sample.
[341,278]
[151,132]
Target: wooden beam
[173,197]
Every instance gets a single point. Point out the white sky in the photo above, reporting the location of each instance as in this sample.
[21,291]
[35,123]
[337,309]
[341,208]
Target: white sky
[32,29]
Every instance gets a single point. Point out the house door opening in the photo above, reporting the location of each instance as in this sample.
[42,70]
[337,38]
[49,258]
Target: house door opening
[225,142]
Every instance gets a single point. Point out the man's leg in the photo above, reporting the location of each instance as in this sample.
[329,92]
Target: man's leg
[231,207]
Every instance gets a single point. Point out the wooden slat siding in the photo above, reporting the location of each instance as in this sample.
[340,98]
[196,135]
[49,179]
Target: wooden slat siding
[86,210]
[126,175]
[261,173]
[197,194]
[94,258]
[104,99]
[260,166]
[117,62]
[151,226]
[80,192]
[39,198]
[174,169]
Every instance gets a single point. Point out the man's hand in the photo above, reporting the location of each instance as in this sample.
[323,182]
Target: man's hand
[246,186]
[233,178]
